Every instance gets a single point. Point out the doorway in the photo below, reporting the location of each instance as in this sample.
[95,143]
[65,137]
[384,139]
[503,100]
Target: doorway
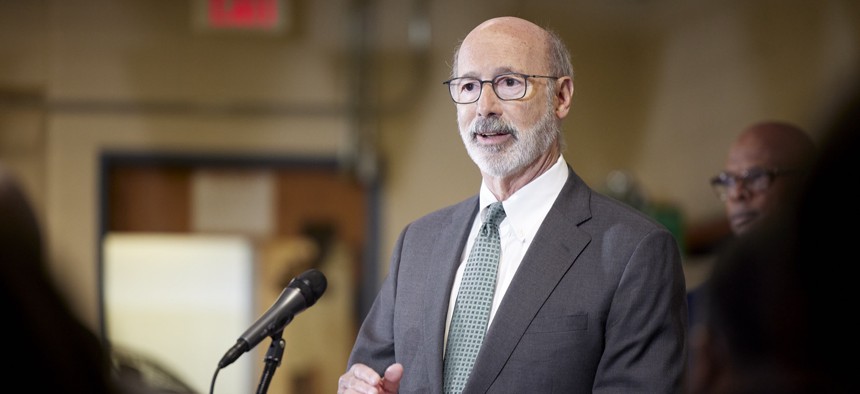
[292,214]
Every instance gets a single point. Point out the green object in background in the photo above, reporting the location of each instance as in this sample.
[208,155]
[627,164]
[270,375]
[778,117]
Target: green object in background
[670,216]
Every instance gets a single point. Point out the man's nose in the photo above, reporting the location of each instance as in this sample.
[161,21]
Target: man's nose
[488,102]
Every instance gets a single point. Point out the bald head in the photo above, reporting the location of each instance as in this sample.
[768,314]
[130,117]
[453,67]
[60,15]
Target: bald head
[780,149]
[521,38]
[515,31]
[773,144]
[514,26]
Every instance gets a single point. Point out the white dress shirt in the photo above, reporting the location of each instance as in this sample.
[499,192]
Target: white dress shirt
[524,213]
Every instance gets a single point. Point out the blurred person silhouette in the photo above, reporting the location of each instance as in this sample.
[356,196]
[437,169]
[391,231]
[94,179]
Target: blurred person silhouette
[47,346]
[754,333]
[589,292]
[828,206]
[775,307]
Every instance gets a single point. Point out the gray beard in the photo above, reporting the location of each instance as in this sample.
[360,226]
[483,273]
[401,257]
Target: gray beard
[502,160]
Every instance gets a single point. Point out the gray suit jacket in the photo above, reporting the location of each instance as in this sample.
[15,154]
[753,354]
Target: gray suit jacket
[597,305]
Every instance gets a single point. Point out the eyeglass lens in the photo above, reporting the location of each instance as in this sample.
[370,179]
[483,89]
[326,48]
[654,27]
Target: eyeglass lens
[506,87]
[753,180]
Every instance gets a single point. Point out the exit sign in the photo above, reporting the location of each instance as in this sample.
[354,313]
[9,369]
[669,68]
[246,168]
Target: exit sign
[243,15]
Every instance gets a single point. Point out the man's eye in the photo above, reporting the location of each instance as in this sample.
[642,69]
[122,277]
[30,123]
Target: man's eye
[754,174]
[467,87]
[508,82]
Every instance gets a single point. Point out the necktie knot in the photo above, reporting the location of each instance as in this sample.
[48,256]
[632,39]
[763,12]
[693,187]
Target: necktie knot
[495,214]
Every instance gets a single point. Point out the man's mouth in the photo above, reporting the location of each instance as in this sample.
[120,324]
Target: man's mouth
[743,218]
[490,134]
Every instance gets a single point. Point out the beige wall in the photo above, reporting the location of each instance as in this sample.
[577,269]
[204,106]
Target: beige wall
[660,91]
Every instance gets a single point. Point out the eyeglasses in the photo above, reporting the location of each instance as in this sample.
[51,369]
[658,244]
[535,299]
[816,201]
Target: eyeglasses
[508,86]
[753,180]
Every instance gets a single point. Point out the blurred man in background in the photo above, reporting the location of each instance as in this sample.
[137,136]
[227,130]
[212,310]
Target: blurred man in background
[764,168]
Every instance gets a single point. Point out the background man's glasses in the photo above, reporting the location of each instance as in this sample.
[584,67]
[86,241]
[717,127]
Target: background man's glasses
[508,86]
[753,180]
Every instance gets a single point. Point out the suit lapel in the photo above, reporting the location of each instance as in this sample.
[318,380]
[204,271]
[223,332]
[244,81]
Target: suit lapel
[551,254]
[445,258]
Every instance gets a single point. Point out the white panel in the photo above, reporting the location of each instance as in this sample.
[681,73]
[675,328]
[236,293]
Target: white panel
[232,201]
[182,300]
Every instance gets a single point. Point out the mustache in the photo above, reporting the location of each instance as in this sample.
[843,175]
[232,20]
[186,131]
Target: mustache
[492,125]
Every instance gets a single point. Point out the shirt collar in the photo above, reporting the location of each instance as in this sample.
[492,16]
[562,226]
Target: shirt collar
[527,207]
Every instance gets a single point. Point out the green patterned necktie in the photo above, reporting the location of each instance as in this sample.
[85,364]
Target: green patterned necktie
[474,301]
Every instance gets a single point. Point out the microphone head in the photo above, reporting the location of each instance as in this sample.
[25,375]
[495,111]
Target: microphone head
[312,283]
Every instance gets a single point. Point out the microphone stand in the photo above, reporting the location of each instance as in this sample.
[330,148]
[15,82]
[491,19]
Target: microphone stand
[273,360]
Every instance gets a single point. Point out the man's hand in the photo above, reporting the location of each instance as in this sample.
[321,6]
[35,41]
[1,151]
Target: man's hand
[361,379]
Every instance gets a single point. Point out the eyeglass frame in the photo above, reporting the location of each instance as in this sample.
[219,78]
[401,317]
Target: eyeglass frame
[492,83]
[724,181]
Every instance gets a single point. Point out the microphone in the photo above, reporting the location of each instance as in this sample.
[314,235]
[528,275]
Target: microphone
[302,292]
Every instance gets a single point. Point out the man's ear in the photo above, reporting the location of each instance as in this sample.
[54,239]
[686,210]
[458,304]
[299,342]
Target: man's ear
[564,96]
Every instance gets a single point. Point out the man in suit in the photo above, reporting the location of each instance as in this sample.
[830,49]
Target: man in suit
[589,295]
